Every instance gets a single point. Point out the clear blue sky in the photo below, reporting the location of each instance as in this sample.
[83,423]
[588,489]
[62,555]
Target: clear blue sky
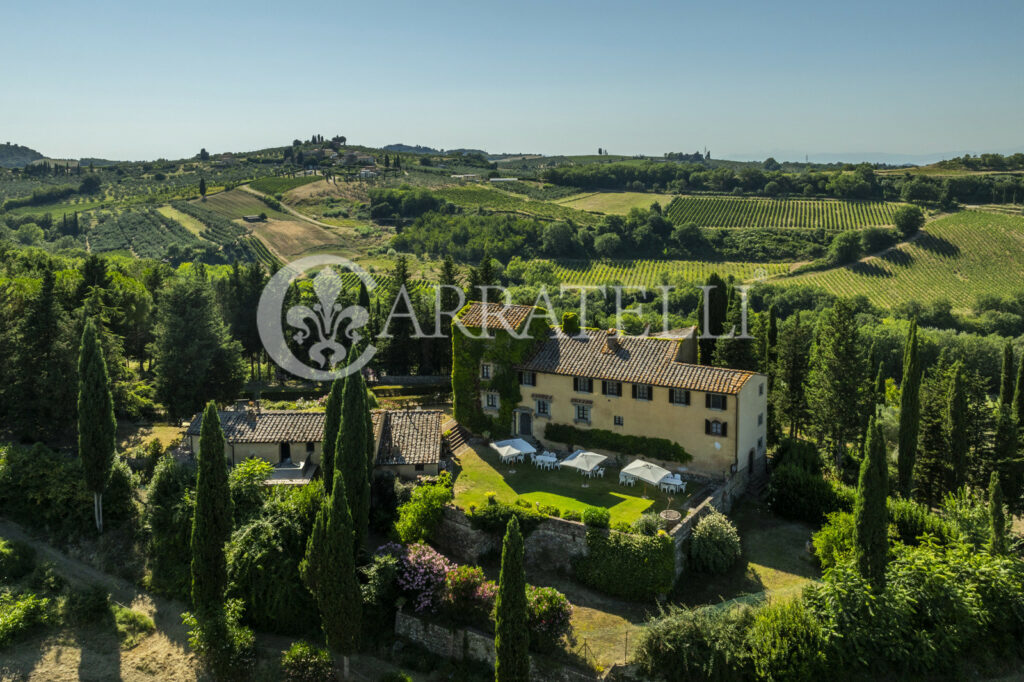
[132,80]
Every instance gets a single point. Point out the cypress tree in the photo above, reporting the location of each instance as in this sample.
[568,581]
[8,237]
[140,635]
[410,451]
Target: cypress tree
[880,385]
[329,571]
[1005,453]
[1006,377]
[351,456]
[996,517]
[1018,394]
[731,350]
[870,513]
[211,523]
[97,427]
[202,187]
[512,636]
[717,308]
[910,411]
[956,426]
[332,424]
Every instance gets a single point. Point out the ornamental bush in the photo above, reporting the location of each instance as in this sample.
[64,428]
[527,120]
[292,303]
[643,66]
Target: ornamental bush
[659,448]
[421,574]
[834,542]
[304,662]
[696,644]
[801,495]
[623,565]
[786,642]
[597,517]
[20,614]
[493,518]
[16,560]
[469,596]
[418,517]
[715,544]
[549,615]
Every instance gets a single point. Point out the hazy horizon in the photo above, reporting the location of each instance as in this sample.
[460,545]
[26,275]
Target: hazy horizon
[126,82]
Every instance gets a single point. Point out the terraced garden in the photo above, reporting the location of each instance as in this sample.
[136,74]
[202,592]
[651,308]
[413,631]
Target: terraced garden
[955,258]
[797,213]
[652,273]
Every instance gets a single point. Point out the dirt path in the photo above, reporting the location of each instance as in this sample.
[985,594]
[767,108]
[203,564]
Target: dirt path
[71,655]
[289,209]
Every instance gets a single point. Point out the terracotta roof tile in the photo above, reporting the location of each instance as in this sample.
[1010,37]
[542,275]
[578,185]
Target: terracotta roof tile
[267,426]
[497,315]
[408,436]
[641,360]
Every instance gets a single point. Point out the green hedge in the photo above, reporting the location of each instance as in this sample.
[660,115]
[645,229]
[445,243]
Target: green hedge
[658,448]
[636,567]
[493,518]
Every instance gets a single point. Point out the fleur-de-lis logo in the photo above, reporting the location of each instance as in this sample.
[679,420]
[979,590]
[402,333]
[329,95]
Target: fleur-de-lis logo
[326,317]
[320,324]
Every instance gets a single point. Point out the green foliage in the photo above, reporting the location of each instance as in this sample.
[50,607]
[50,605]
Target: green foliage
[262,563]
[379,594]
[495,516]
[966,516]
[787,213]
[786,642]
[132,626]
[304,662]
[96,424]
[247,490]
[45,490]
[911,520]
[418,517]
[660,448]
[395,677]
[17,560]
[511,631]
[596,517]
[170,504]
[997,518]
[332,424]
[328,570]
[637,567]
[211,522]
[570,323]
[87,605]
[503,351]
[714,545]
[350,458]
[20,615]
[699,644]
[910,410]
[869,512]
[834,542]
[226,648]
[799,453]
[908,219]
[798,494]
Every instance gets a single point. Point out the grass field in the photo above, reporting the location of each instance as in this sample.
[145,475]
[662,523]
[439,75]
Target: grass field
[741,212]
[476,196]
[290,237]
[956,258]
[653,273]
[568,490]
[186,221]
[237,203]
[56,210]
[614,202]
[279,185]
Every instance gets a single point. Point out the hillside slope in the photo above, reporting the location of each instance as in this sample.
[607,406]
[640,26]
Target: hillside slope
[955,258]
[17,156]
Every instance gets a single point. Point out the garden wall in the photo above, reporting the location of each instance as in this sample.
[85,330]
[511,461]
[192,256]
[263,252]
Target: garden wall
[460,644]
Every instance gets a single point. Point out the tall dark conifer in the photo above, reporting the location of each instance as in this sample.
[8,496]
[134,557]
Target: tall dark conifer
[512,634]
[211,522]
[711,313]
[996,516]
[871,519]
[351,456]
[332,424]
[97,427]
[956,426]
[910,411]
[1007,376]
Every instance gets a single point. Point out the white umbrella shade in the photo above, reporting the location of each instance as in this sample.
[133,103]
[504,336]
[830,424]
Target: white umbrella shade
[645,471]
[513,447]
[583,460]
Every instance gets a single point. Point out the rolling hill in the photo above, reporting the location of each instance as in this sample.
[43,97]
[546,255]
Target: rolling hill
[17,156]
[956,258]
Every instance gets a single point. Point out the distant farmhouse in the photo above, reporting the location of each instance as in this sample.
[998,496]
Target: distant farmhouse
[408,442]
[633,386]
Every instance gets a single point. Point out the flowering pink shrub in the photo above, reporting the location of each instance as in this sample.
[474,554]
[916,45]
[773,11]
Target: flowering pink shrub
[469,596]
[548,614]
[421,573]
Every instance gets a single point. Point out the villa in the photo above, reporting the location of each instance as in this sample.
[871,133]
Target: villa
[634,386]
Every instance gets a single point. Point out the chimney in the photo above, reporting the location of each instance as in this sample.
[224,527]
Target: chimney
[611,341]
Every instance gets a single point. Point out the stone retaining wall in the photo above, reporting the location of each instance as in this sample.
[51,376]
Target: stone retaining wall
[467,644]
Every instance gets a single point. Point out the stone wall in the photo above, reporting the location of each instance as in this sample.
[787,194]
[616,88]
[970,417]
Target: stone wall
[467,644]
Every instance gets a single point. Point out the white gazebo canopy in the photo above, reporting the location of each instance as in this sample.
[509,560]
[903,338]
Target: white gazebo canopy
[583,460]
[513,447]
[645,471]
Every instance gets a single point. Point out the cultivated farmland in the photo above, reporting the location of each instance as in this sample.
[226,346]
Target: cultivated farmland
[652,273]
[956,258]
[488,198]
[280,184]
[742,212]
[614,202]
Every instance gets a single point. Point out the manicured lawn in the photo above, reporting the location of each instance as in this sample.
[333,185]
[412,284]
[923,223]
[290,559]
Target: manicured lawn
[482,473]
[131,435]
[775,562]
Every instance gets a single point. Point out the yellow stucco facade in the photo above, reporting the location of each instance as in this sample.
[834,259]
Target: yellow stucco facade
[744,418]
